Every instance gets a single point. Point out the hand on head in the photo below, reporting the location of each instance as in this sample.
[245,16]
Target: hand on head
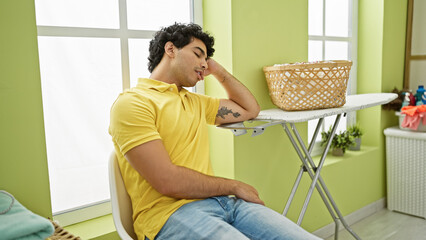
[214,68]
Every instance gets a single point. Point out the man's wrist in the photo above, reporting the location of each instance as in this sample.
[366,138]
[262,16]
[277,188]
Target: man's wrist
[233,187]
[221,75]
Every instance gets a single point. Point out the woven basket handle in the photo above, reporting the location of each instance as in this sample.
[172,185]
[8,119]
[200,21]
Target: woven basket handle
[310,65]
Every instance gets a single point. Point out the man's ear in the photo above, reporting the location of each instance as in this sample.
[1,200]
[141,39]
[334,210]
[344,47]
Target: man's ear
[170,49]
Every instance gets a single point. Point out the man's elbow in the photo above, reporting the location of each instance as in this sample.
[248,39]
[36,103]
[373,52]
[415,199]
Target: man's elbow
[168,190]
[254,112]
[163,189]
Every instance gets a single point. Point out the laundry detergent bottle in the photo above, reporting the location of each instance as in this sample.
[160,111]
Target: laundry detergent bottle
[419,94]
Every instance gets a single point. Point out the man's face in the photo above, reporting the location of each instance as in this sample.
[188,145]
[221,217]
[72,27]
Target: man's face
[190,63]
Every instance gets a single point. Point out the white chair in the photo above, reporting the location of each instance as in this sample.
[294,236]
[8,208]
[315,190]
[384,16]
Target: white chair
[120,202]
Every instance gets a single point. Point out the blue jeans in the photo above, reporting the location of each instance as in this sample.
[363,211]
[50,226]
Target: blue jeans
[229,218]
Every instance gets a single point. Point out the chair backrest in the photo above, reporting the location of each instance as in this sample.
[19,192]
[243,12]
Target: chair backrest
[120,201]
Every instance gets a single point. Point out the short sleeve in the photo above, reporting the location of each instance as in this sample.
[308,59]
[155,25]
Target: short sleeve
[132,122]
[211,106]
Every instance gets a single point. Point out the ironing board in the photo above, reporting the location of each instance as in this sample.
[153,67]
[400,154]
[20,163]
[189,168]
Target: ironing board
[287,120]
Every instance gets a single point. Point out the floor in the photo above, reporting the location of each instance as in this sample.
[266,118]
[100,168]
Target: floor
[387,225]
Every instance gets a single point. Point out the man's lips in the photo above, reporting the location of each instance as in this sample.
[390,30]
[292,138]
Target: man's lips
[200,74]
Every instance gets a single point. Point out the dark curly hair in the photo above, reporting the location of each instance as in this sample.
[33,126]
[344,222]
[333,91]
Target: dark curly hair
[180,35]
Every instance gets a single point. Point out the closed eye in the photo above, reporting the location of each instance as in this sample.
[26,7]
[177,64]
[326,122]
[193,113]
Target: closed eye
[199,52]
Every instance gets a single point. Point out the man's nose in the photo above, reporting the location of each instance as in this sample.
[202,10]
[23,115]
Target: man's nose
[204,65]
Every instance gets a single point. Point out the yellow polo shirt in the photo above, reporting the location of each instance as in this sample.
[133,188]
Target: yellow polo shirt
[157,110]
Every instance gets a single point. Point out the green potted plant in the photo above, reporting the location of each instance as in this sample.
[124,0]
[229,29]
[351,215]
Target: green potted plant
[340,142]
[356,132]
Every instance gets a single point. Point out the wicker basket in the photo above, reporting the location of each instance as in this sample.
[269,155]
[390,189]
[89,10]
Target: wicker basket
[307,86]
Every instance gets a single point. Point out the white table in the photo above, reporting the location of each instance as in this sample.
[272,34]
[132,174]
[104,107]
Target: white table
[285,118]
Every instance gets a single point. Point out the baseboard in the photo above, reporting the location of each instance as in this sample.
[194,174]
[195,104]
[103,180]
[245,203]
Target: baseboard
[327,231]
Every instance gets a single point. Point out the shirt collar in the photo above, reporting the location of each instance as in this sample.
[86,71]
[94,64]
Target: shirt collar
[159,85]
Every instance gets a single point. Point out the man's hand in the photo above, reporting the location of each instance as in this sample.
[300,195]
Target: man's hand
[247,193]
[213,68]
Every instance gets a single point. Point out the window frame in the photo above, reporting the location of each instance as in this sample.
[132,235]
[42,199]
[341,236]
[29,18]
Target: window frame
[101,208]
[352,40]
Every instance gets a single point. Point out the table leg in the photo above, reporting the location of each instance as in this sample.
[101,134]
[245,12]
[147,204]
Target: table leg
[311,162]
[308,163]
[293,191]
[305,167]
[302,168]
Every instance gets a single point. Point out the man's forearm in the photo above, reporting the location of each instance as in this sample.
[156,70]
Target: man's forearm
[190,184]
[237,92]
[187,183]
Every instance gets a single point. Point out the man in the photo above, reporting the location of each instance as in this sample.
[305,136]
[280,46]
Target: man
[159,130]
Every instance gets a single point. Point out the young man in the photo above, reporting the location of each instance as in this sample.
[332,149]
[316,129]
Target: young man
[159,130]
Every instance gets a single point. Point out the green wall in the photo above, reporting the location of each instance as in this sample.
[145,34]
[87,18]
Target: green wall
[23,162]
[381,52]
[263,36]
[394,29]
[217,20]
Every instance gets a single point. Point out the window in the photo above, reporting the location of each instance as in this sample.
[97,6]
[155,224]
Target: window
[90,50]
[333,36]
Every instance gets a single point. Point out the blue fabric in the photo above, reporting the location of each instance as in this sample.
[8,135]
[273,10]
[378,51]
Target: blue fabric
[17,222]
[230,218]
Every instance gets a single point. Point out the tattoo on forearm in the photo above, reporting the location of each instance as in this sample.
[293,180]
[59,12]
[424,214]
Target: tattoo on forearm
[225,111]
